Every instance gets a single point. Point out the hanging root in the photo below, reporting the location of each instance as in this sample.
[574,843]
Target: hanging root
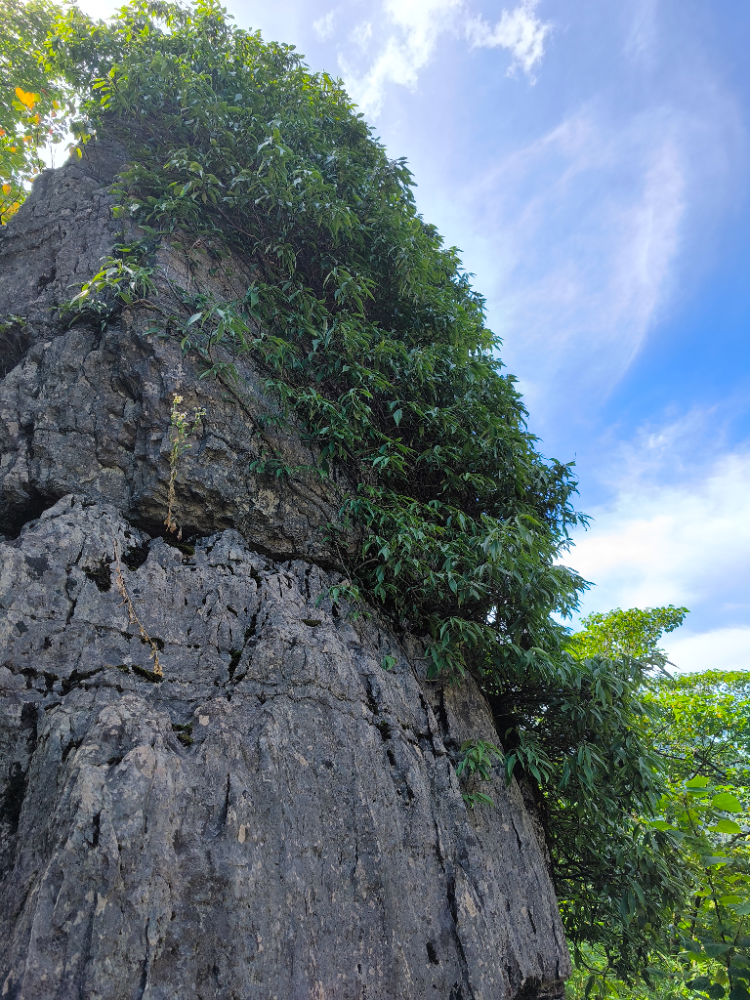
[133,617]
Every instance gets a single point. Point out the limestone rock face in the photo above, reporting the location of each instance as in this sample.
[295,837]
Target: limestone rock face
[85,408]
[274,817]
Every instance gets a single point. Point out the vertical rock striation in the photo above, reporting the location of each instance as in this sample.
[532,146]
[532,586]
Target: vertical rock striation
[276,817]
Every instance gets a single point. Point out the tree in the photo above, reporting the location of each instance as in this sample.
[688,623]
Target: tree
[587,750]
[34,104]
[701,731]
[698,730]
[633,633]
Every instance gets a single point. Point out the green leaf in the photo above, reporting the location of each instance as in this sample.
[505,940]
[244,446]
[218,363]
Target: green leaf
[727,826]
[715,948]
[726,802]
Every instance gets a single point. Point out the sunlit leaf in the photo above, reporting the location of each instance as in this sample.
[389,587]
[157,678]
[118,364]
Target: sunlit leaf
[727,826]
[726,802]
[26,98]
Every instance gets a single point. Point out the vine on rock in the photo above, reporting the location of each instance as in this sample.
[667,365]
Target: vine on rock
[180,429]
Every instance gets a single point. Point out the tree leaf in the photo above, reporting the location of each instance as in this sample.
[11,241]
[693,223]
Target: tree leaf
[727,826]
[726,802]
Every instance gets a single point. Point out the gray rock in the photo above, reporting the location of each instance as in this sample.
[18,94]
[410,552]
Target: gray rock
[275,816]
[87,410]
[55,243]
[306,838]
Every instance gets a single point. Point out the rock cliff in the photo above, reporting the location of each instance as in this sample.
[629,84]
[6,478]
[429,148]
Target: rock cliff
[274,817]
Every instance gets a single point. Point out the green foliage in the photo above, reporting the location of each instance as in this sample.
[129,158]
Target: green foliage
[616,877]
[364,325]
[585,746]
[702,732]
[700,729]
[34,104]
[632,633]
[478,758]
[592,977]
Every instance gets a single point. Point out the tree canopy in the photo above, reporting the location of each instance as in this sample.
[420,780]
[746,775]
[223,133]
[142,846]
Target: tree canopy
[698,729]
[633,633]
[34,103]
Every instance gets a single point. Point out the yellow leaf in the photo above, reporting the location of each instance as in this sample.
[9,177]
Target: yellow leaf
[26,98]
[6,189]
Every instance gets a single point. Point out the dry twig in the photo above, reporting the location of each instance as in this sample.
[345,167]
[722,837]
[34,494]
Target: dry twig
[133,617]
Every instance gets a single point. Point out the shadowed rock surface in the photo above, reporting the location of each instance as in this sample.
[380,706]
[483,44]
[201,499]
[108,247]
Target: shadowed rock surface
[277,817]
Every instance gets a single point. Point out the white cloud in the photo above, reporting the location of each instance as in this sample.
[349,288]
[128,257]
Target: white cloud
[409,31]
[719,649]
[520,31]
[414,26]
[684,544]
[323,27]
[587,225]
[362,34]
[675,450]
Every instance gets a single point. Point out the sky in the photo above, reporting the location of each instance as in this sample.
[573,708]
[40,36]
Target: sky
[590,160]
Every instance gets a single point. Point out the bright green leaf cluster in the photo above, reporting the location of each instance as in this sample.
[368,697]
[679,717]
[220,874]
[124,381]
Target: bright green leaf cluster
[632,633]
[699,729]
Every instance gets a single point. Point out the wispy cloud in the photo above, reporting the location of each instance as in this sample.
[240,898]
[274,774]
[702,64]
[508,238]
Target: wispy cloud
[411,29]
[519,31]
[324,25]
[408,31]
[578,240]
[362,34]
[682,543]
[642,36]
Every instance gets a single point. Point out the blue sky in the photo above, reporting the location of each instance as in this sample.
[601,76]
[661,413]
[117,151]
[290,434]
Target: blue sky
[590,159]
